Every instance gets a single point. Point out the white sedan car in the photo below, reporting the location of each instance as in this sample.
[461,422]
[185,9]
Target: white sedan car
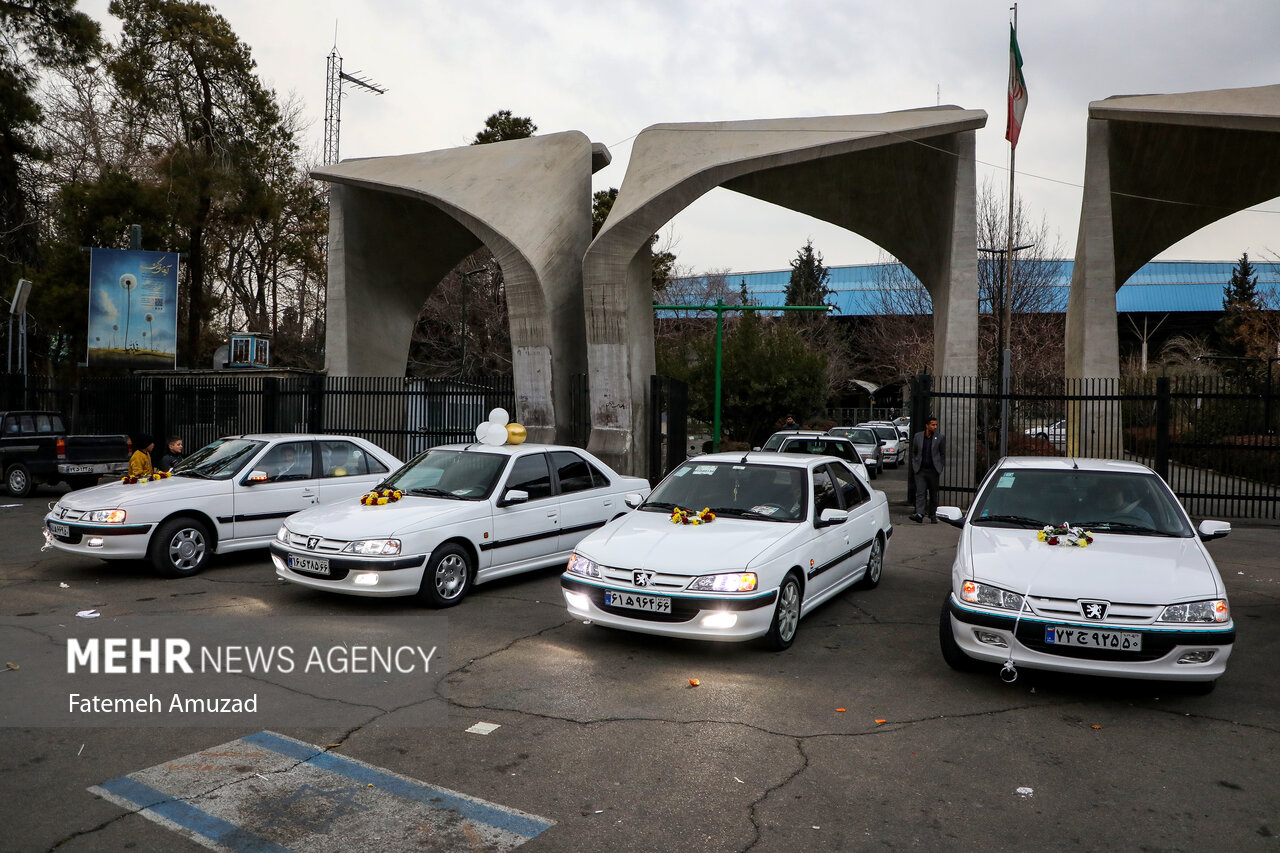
[1141,598]
[227,496]
[789,532]
[468,514]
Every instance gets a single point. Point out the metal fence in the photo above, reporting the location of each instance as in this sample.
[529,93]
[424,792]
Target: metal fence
[1211,439]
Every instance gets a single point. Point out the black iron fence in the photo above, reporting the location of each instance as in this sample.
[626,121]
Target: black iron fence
[1211,439]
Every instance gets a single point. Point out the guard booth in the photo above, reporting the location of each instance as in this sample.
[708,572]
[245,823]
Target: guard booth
[250,349]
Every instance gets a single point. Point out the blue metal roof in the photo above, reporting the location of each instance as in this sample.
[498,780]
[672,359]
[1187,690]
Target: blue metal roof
[1159,286]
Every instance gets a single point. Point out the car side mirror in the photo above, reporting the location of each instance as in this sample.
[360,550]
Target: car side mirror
[755,448]
[831,517]
[514,496]
[1210,530]
[255,477]
[633,499]
[951,515]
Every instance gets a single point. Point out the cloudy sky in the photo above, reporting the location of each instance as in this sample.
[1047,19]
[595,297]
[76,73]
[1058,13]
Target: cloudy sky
[610,69]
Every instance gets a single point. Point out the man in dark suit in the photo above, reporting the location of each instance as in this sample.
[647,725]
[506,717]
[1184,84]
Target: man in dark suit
[928,460]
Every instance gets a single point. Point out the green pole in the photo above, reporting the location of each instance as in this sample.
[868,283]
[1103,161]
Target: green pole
[720,308]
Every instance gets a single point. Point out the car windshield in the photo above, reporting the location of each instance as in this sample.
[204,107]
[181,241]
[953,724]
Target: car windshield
[886,433]
[453,474]
[862,435]
[774,442]
[1101,501]
[763,492]
[220,460]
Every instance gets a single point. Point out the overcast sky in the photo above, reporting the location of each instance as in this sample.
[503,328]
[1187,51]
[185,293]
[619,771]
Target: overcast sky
[612,68]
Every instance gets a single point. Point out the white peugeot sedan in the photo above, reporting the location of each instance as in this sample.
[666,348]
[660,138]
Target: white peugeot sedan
[1141,598]
[468,514]
[789,532]
[227,496]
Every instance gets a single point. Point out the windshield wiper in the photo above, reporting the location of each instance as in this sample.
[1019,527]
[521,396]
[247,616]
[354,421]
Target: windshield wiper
[734,512]
[433,492]
[191,472]
[657,505]
[1123,526]
[1020,520]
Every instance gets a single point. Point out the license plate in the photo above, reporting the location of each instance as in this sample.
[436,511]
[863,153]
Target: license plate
[1121,641]
[316,565]
[59,529]
[79,469]
[651,603]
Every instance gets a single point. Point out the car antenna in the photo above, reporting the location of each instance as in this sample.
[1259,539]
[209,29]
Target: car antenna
[744,457]
[1075,465]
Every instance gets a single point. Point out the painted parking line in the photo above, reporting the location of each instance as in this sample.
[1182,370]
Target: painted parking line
[267,793]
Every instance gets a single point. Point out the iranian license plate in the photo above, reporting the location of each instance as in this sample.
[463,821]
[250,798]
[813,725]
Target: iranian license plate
[1121,641]
[59,529]
[651,603]
[315,565]
[79,469]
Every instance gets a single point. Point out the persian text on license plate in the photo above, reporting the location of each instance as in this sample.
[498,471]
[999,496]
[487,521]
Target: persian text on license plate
[1121,641]
[651,603]
[59,529]
[315,565]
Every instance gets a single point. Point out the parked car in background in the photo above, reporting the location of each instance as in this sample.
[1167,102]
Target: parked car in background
[35,449]
[1141,599]
[783,534]
[904,426]
[868,446]
[227,496]
[469,514]
[816,443]
[893,446]
[1055,433]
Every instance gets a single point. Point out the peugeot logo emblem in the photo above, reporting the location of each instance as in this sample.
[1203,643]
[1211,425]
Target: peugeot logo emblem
[1094,609]
[312,542]
[642,577]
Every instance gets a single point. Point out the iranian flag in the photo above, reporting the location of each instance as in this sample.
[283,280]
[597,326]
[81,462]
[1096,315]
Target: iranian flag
[1017,91]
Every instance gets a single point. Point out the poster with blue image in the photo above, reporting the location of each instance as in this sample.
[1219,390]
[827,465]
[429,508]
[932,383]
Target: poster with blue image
[133,309]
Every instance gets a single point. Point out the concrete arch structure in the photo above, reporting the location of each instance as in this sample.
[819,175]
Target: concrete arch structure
[1157,169]
[398,225]
[905,180]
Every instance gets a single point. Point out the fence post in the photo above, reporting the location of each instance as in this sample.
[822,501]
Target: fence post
[656,388]
[1163,419]
[158,425]
[270,403]
[315,403]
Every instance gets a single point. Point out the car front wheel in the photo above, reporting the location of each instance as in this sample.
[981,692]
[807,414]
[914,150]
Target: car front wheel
[18,480]
[181,548]
[448,576]
[875,565]
[786,615]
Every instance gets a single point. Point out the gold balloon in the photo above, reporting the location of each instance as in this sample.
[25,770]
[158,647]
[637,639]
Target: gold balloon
[516,434]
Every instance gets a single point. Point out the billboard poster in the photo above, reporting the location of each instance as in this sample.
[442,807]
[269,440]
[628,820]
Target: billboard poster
[133,309]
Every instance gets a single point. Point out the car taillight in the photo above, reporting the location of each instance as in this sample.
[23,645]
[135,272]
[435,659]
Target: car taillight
[62,448]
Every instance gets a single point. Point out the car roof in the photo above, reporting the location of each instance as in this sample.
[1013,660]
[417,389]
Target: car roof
[793,432]
[508,449]
[1072,463]
[757,457]
[822,435]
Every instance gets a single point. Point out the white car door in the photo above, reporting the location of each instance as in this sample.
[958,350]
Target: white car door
[346,470]
[861,523]
[290,486]
[830,548]
[522,531]
[586,502]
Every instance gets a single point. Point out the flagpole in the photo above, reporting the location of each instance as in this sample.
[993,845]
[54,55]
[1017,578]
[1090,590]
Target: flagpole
[1006,324]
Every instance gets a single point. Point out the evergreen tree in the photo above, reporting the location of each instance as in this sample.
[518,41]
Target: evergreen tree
[808,285]
[502,126]
[1242,290]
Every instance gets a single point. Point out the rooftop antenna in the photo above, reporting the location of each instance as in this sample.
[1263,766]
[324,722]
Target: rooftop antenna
[333,98]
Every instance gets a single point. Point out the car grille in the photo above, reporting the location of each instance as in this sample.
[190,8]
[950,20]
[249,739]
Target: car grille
[625,578]
[324,546]
[1118,613]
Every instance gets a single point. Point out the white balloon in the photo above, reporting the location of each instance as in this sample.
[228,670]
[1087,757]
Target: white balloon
[494,436]
[482,431]
[499,417]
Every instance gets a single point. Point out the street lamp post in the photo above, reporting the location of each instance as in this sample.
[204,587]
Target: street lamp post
[720,308]
[1004,343]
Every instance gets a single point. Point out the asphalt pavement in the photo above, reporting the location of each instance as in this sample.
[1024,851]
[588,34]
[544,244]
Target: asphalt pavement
[858,737]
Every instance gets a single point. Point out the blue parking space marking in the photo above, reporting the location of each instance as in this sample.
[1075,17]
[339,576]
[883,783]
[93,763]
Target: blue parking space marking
[267,793]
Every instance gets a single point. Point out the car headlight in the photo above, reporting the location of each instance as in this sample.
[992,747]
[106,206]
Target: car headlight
[282,535]
[104,516]
[374,547]
[580,565]
[1197,611]
[990,596]
[729,582]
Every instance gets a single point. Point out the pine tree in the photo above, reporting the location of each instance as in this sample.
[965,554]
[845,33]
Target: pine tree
[808,285]
[1241,291]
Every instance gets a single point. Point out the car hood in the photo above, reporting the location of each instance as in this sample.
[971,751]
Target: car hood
[1133,569]
[350,519]
[649,540]
[118,494]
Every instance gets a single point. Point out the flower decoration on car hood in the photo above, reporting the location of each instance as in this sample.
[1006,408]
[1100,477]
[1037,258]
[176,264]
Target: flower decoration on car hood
[379,497]
[1065,534]
[146,478]
[684,516]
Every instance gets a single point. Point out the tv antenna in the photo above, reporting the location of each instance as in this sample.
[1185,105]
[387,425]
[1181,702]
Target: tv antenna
[335,79]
